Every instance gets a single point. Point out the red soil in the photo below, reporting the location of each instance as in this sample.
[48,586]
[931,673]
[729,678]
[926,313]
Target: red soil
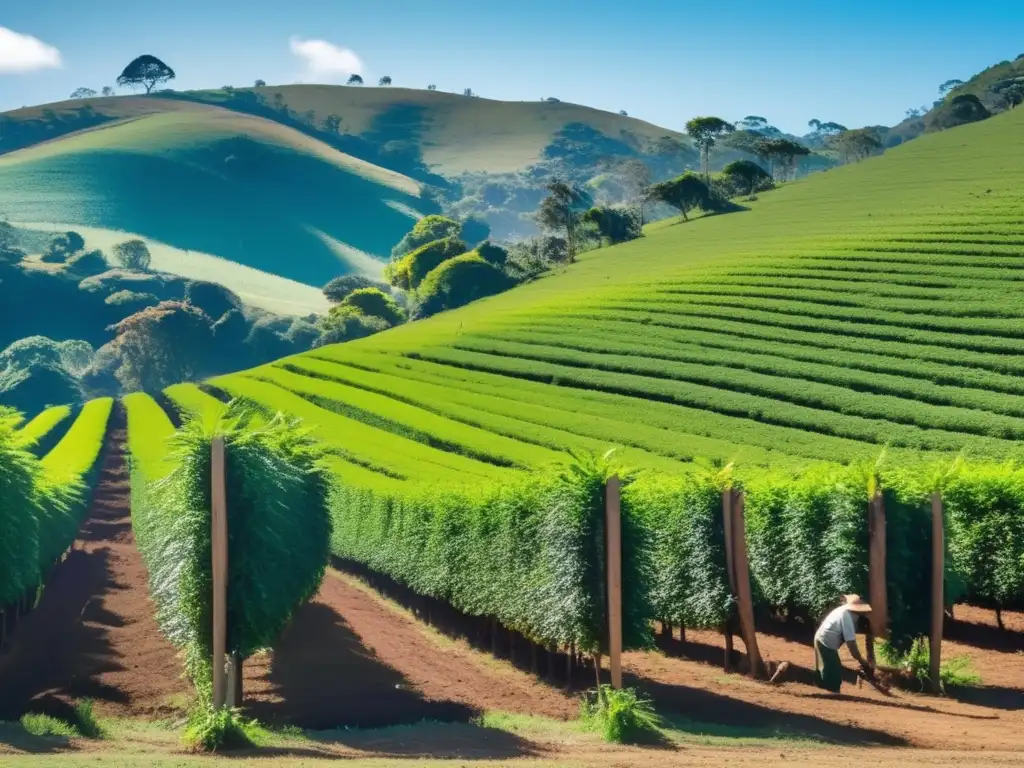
[93,634]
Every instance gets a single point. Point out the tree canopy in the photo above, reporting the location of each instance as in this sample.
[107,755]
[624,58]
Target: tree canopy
[704,131]
[780,153]
[355,80]
[684,193]
[146,71]
[386,80]
[858,143]
[561,211]
[133,255]
[745,175]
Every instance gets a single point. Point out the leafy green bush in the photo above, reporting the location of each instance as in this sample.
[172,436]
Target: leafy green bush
[427,230]
[279,533]
[620,716]
[457,282]
[985,516]
[529,553]
[915,663]
[409,271]
[373,302]
[211,730]
[689,585]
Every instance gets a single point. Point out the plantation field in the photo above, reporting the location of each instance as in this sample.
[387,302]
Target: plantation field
[871,305]
[240,188]
[38,433]
[78,451]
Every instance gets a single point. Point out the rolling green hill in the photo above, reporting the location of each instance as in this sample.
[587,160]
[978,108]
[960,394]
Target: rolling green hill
[873,304]
[229,197]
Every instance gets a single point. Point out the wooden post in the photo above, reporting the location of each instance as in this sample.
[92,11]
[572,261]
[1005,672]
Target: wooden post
[877,583]
[219,546]
[613,539]
[744,594]
[730,572]
[938,552]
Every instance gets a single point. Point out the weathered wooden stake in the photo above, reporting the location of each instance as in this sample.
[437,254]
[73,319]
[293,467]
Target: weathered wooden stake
[613,538]
[877,583]
[744,595]
[219,546]
[938,599]
[727,527]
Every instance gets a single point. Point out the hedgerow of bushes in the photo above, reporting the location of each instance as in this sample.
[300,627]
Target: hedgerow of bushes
[278,533]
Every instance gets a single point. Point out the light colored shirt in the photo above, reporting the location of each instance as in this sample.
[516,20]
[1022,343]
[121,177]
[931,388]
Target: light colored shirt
[836,629]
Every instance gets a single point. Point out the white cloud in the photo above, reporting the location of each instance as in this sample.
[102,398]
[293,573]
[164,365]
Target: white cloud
[325,61]
[24,53]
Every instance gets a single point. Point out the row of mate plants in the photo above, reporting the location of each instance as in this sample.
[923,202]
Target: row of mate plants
[43,501]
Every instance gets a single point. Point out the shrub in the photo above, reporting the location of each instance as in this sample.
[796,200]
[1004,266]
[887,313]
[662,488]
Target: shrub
[62,247]
[223,729]
[89,264]
[279,528]
[493,254]
[131,301]
[340,287]
[915,664]
[409,271]
[620,716]
[347,325]
[133,255]
[427,230]
[214,299]
[457,282]
[372,302]
[529,554]
[615,225]
[960,110]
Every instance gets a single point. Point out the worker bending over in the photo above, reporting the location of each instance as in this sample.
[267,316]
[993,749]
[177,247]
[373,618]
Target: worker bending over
[838,627]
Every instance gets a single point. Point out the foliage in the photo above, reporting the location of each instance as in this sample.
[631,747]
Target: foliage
[529,553]
[373,302]
[620,716]
[745,176]
[857,144]
[427,230]
[616,225]
[562,212]
[959,110]
[495,255]
[162,345]
[984,508]
[782,153]
[916,664]
[278,523]
[410,270]
[210,730]
[683,193]
[689,585]
[147,71]
[36,372]
[346,325]
[213,299]
[89,263]
[386,80]
[63,246]
[354,80]
[133,255]
[704,131]
[340,287]
[459,281]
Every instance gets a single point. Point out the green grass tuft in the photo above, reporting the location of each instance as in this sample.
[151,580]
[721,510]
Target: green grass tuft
[620,716]
[915,664]
[223,729]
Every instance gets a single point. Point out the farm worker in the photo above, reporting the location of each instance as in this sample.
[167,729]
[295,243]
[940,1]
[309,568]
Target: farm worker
[838,628]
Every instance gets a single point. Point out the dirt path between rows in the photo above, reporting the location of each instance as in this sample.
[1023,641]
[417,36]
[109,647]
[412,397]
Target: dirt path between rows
[350,658]
[93,634]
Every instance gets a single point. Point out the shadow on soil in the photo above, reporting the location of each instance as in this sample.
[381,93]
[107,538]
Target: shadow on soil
[316,666]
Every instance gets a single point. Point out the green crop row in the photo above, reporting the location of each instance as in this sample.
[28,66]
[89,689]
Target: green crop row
[936,382]
[196,403]
[661,428]
[899,400]
[42,502]
[41,434]
[395,455]
[757,408]
[149,429]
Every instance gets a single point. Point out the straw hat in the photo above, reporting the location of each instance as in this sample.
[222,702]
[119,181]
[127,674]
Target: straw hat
[857,603]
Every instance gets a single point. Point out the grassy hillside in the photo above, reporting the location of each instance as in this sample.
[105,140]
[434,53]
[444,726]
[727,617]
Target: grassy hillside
[214,183]
[869,305]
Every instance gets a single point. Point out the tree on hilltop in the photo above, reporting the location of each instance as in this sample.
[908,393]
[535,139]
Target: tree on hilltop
[746,175]
[949,85]
[858,144]
[684,193]
[386,80]
[332,123]
[107,91]
[781,154]
[83,93]
[146,71]
[355,80]
[704,131]
[431,87]
[260,84]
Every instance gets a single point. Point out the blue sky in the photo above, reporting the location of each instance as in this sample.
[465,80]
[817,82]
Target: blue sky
[663,61]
